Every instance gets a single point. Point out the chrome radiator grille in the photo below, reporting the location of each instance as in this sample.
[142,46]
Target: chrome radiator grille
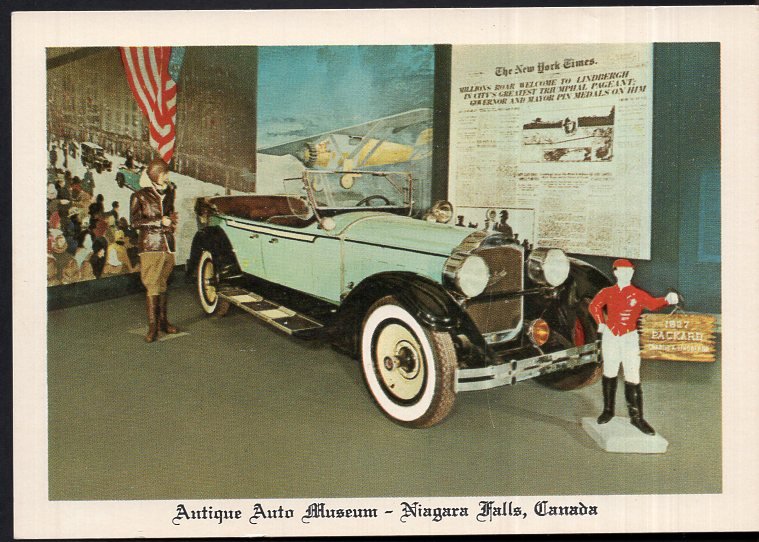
[507,275]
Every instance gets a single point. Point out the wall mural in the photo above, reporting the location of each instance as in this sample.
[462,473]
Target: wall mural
[355,107]
[367,107]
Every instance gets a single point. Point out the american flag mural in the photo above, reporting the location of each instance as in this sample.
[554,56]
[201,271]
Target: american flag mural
[152,73]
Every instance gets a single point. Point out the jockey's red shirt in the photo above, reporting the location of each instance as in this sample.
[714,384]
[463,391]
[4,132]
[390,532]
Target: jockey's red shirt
[623,307]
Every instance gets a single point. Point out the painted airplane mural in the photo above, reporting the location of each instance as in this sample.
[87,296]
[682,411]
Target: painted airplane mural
[400,138]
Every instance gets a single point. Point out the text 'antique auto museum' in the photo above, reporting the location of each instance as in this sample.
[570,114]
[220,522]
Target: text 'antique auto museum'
[364,271]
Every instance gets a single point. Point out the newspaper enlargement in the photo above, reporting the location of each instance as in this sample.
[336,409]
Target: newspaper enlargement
[564,130]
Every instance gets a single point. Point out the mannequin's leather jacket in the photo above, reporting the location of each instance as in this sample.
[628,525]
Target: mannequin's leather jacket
[146,210]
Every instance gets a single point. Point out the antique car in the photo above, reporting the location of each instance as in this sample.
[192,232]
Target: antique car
[129,178]
[429,308]
[93,156]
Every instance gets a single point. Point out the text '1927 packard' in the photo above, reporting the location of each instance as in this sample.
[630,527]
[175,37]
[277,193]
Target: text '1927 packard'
[430,309]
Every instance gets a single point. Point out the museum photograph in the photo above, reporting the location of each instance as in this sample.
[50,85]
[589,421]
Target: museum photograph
[350,271]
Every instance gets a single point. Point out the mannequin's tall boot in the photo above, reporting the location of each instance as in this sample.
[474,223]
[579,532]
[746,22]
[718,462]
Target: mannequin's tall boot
[634,398]
[609,386]
[152,306]
[163,321]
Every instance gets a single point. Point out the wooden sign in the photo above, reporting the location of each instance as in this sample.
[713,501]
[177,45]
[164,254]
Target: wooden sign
[678,337]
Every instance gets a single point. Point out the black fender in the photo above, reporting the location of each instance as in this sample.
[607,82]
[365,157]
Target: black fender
[571,299]
[214,240]
[428,301]
[424,298]
[585,281]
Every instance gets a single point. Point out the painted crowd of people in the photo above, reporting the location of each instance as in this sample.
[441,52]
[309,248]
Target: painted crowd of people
[84,240]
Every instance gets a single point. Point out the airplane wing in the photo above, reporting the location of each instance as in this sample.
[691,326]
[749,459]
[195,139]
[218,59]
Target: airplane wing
[395,123]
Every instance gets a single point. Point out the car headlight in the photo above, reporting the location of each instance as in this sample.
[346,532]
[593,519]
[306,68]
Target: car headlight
[467,273]
[548,266]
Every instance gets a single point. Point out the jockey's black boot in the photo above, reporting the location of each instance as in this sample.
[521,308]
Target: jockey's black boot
[634,398]
[609,386]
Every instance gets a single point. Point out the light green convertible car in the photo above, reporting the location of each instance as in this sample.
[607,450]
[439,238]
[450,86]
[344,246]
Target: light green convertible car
[431,309]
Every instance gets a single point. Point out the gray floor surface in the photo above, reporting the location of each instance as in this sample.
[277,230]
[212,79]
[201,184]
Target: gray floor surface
[236,409]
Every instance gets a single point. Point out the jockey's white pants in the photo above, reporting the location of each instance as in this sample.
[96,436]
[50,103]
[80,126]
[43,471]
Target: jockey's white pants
[621,350]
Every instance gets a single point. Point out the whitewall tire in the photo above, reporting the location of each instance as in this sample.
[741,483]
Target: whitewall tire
[409,370]
[206,286]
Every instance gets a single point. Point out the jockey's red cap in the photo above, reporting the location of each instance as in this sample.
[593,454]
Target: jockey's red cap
[622,263]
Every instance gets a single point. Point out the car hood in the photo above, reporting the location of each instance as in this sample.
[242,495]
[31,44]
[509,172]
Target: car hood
[395,231]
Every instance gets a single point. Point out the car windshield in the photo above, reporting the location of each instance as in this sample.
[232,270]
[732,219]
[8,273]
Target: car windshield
[350,190]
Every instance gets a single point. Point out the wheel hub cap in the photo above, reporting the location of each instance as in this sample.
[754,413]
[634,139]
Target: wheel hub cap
[400,361]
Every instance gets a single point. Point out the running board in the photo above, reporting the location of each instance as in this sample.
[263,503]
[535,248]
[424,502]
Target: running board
[272,313]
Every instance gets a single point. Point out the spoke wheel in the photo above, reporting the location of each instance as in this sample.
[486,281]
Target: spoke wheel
[207,284]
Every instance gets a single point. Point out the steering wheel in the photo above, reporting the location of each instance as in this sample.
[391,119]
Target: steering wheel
[367,199]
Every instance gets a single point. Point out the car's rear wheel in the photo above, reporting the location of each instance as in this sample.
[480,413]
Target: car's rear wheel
[409,370]
[207,282]
[582,330]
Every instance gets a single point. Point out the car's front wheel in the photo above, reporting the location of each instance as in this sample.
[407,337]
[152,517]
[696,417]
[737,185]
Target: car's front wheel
[207,282]
[410,370]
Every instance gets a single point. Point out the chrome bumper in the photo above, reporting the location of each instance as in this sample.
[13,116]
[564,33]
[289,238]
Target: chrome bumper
[516,370]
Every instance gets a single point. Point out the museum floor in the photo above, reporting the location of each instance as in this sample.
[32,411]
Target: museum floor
[235,409]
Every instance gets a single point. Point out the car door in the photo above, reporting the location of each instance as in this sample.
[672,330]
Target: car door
[246,242]
[305,259]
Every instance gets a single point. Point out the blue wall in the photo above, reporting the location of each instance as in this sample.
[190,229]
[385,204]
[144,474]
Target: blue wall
[685,226]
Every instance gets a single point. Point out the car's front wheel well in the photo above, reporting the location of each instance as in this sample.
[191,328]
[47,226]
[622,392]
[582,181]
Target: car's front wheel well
[214,240]
[426,299]
[351,315]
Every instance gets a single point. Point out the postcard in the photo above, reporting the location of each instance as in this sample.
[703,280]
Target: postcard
[384,272]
